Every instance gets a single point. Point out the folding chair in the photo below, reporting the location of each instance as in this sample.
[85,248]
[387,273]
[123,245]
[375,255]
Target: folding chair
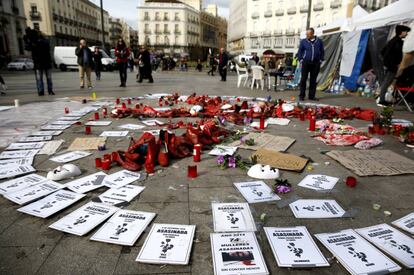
[403,93]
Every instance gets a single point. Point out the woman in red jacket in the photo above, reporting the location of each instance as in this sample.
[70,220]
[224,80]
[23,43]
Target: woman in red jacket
[122,55]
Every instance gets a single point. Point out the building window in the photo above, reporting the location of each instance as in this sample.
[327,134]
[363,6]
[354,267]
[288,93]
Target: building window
[36,26]
[176,40]
[166,40]
[33,8]
[61,29]
[278,42]
[267,43]
[254,43]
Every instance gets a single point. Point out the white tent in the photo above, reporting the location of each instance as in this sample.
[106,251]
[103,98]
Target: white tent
[397,12]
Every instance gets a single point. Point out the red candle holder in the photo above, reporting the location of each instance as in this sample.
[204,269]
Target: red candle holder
[302,116]
[262,123]
[351,181]
[238,99]
[371,130]
[107,157]
[106,164]
[197,153]
[67,110]
[150,168]
[192,171]
[124,105]
[312,124]
[98,162]
[96,116]
[129,101]
[118,101]
[88,130]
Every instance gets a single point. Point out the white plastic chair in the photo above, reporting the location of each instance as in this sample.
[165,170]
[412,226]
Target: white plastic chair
[241,74]
[257,76]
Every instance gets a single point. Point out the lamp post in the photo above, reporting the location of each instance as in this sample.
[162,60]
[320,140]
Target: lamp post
[309,14]
[102,26]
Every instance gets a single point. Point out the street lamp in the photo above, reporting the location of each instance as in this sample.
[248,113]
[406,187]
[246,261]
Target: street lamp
[102,26]
[309,14]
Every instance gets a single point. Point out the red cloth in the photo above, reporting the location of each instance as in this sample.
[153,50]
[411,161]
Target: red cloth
[122,55]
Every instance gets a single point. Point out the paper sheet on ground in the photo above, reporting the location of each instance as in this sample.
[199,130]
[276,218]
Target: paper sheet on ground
[51,147]
[25,146]
[405,223]
[232,217]
[124,227]
[12,171]
[18,154]
[71,156]
[14,185]
[87,143]
[280,160]
[319,182]
[356,254]
[46,133]
[168,244]
[87,184]
[54,127]
[121,178]
[256,191]
[119,196]
[222,150]
[152,122]
[294,247]
[316,209]
[33,192]
[132,126]
[63,122]
[69,118]
[265,141]
[277,121]
[114,134]
[14,162]
[373,162]
[35,139]
[98,123]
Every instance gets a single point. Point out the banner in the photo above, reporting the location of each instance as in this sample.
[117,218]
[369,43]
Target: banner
[167,244]
[20,183]
[34,192]
[406,223]
[71,156]
[121,178]
[232,217]
[316,209]
[356,254]
[124,227]
[294,247]
[87,184]
[51,204]
[256,191]
[117,196]
[84,219]
[391,241]
[237,253]
[319,182]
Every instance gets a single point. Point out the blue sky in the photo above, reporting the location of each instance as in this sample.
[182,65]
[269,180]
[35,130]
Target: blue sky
[128,8]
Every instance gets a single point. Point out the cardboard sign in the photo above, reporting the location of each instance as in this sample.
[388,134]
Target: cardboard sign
[87,184]
[51,147]
[118,196]
[294,247]
[391,241]
[168,244]
[132,126]
[18,154]
[83,144]
[16,170]
[265,141]
[54,127]
[256,191]
[33,192]
[51,204]
[356,254]
[222,150]
[237,253]
[124,227]
[14,162]
[406,223]
[316,209]
[71,156]
[280,160]
[152,122]
[46,133]
[121,178]
[35,139]
[84,219]
[14,185]
[319,182]
[114,134]
[232,217]
[373,162]
[98,123]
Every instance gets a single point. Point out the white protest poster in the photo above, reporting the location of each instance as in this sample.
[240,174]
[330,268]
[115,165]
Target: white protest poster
[14,162]
[71,156]
[63,122]
[152,122]
[116,196]
[167,244]
[98,123]
[46,133]
[318,182]
[87,184]
[20,183]
[391,241]
[132,126]
[222,150]
[316,209]
[51,204]
[54,127]
[256,191]
[153,132]
[114,134]
[294,247]
[121,178]
[33,192]
[356,254]
[277,121]
[69,118]
[232,217]
[12,171]
[35,139]
[406,223]
[25,146]
[84,219]
[18,154]
[237,253]
[124,227]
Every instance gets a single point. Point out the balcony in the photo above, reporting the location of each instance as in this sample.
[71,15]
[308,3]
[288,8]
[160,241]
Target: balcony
[255,15]
[177,19]
[291,10]
[177,31]
[35,15]
[267,33]
[280,12]
[318,6]
[278,33]
[335,4]
[147,32]
[290,31]
[157,18]
[166,18]
[158,31]
[147,18]
[268,14]
[304,9]
[167,32]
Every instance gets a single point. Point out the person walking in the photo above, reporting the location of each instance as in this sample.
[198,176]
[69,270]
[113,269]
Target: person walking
[3,85]
[85,63]
[223,60]
[97,60]
[145,66]
[199,66]
[392,54]
[212,65]
[122,55]
[311,53]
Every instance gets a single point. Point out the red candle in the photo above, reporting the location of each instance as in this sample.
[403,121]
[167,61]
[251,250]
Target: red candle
[66,110]
[262,123]
[118,101]
[371,130]
[98,162]
[302,116]
[87,130]
[96,116]
[312,124]
[106,164]
[197,153]
[107,157]
[129,101]
[105,111]
[150,167]
[351,181]
[192,171]
[123,105]
[238,99]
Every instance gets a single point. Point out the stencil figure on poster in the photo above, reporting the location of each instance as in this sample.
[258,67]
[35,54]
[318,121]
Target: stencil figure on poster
[311,208]
[258,193]
[296,250]
[402,247]
[48,205]
[360,255]
[30,193]
[121,229]
[166,246]
[232,218]
[81,220]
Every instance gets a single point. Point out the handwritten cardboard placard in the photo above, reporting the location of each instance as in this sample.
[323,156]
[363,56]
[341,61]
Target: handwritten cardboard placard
[265,141]
[280,160]
[88,143]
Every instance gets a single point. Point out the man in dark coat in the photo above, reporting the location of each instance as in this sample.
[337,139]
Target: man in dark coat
[85,63]
[223,60]
[392,54]
[145,70]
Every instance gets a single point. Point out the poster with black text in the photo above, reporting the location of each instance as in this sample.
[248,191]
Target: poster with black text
[13,162]
[232,217]
[124,227]
[17,170]
[34,192]
[71,156]
[118,196]
[294,247]
[20,183]
[237,253]
[319,182]
[87,184]
[168,244]
[18,154]
[406,223]
[121,178]
[356,254]
[316,209]
[256,191]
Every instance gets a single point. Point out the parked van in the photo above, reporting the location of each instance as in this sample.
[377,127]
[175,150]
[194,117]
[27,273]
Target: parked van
[65,58]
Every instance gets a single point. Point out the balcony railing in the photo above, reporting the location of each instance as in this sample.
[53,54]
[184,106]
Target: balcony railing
[147,18]
[177,19]
[335,4]
[255,15]
[177,31]
[158,31]
[167,32]
[291,10]
[278,33]
[147,32]
[318,6]
[267,33]
[35,15]
[157,18]
[268,14]
[166,18]
[290,32]
[304,8]
[254,34]
[280,12]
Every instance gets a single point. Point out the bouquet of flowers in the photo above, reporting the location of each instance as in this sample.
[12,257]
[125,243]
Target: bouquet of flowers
[237,161]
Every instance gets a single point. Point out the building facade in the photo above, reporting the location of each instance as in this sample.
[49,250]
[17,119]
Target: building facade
[12,25]
[213,30]
[133,40]
[373,5]
[118,28]
[64,22]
